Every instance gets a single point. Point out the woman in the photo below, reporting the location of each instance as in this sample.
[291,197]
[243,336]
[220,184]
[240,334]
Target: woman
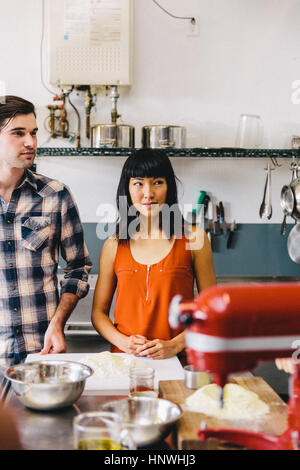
[149,261]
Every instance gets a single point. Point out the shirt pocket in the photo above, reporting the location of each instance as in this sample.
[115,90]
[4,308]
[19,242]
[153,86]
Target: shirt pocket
[176,270]
[35,232]
[123,272]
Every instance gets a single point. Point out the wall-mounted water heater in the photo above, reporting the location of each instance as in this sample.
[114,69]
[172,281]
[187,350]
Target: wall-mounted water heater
[89,42]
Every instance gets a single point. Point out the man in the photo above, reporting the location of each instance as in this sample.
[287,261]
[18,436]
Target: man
[38,217]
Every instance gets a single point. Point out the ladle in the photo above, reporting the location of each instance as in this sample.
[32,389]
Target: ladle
[266,207]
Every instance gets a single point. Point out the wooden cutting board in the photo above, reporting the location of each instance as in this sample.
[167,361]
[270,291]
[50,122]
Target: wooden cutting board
[275,423]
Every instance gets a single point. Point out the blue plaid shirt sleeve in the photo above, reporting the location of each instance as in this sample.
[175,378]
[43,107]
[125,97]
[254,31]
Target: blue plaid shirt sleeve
[73,248]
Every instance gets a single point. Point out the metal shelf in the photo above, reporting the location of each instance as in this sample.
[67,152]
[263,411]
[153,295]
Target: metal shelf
[187,152]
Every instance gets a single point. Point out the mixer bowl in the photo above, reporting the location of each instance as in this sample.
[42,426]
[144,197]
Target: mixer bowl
[147,419]
[48,385]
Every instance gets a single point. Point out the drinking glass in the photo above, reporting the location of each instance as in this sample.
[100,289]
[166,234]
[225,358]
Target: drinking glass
[250,131]
[141,382]
[101,430]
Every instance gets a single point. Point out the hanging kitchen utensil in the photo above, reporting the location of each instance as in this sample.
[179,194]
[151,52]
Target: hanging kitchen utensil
[290,195]
[230,236]
[287,197]
[269,192]
[266,206]
[293,244]
[283,226]
[222,218]
[210,216]
[287,205]
[287,200]
[205,203]
[262,208]
[199,202]
[217,227]
[295,187]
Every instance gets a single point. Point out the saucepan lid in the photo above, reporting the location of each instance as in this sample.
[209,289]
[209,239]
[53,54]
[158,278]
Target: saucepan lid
[293,244]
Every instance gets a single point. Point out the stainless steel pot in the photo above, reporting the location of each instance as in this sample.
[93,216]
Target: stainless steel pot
[163,137]
[113,136]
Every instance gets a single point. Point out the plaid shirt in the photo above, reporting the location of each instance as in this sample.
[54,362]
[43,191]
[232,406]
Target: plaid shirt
[41,218]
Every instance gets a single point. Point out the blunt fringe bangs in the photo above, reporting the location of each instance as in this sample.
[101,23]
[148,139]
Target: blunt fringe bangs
[144,163]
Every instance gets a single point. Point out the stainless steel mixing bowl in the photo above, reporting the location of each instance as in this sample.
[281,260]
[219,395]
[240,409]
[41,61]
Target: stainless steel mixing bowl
[48,385]
[147,419]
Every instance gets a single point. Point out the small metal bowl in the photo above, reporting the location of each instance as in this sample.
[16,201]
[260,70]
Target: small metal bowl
[147,419]
[48,385]
[196,379]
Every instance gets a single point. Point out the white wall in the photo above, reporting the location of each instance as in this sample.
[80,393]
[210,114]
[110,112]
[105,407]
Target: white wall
[238,183]
[244,60]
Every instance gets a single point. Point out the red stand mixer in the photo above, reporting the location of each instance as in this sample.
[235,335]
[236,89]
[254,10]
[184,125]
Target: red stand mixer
[229,329]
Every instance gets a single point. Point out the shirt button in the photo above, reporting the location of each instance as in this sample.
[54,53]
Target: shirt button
[9,221]
[9,243]
[18,331]
[16,309]
[13,201]
[11,265]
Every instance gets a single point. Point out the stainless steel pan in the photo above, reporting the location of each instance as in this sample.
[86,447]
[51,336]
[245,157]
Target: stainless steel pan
[290,195]
[295,187]
[293,244]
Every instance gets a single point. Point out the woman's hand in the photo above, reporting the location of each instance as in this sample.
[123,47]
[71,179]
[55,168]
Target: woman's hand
[158,349]
[286,364]
[133,342]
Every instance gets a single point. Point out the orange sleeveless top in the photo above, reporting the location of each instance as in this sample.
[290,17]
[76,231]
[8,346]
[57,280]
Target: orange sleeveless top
[144,292]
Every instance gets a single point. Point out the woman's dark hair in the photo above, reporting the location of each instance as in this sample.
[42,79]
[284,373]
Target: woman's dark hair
[146,163]
[11,106]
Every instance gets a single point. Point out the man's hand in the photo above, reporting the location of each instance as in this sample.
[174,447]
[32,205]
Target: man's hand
[54,341]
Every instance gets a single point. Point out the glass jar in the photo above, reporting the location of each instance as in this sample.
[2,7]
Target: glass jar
[141,382]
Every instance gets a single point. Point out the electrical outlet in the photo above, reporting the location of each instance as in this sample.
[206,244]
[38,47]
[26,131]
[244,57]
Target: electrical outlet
[193,27]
